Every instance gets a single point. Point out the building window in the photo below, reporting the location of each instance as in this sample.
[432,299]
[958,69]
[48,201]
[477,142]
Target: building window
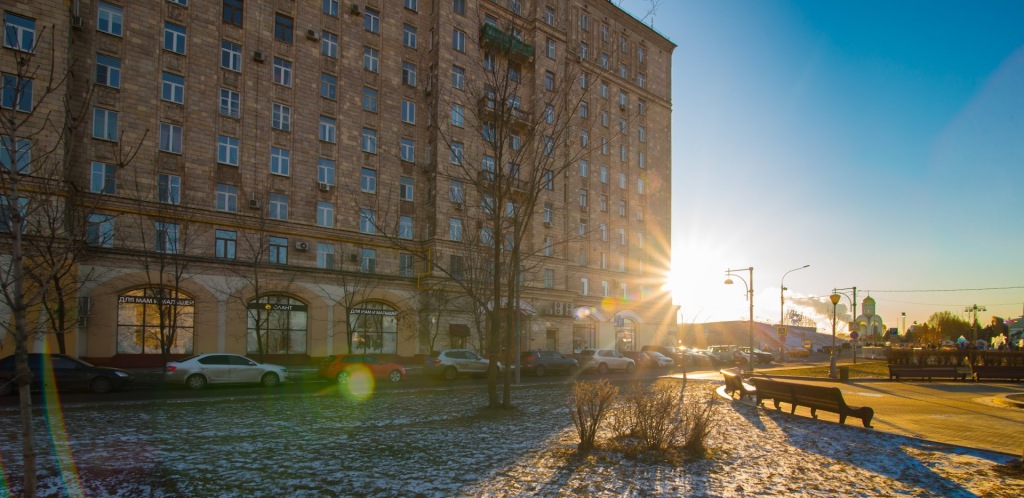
[110,19]
[99,231]
[409,74]
[584,168]
[371,59]
[328,86]
[325,171]
[584,286]
[329,44]
[622,180]
[166,237]
[583,198]
[227,150]
[233,12]
[407,149]
[549,180]
[280,321]
[325,214]
[278,254]
[325,256]
[280,161]
[230,103]
[104,124]
[281,117]
[459,7]
[170,138]
[456,155]
[108,71]
[549,81]
[405,227]
[139,325]
[371,20]
[230,56]
[455,192]
[227,198]
[19,32]
[458,115]
[101,179]
[369,99]
[168,188]
[458,77]
[406,265]
[549,278]
[15,154]
[603,203]
[282,72]
[408,112]
[278,209]
[331,7]
[328,129]
[224,244]
[405,188]
[284,28]
[549,247]
[409,36]
[174,38]
[455,229]
[16,93]
[551,48]
[369,141]
[459,40]
[9,213]
[368,221]
[368,181]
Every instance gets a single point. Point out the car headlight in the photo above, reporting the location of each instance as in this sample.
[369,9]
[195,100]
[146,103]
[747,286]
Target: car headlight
[123,375]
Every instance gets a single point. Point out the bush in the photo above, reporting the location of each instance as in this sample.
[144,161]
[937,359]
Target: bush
[700,420]
[659,419]
[589,406]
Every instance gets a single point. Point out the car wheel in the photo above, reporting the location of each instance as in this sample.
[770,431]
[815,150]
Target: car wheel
[539,371]
[270,379]
[343,377]
[629,368]
[572,370]
[450,373]
[195,381]
[395,376]
[101,385]
[602,369]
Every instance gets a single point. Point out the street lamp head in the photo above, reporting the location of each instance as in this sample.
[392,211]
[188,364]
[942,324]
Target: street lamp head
[728,281]
[834,298]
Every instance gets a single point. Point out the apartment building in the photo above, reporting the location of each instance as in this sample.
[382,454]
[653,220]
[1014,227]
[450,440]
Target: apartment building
[290,177]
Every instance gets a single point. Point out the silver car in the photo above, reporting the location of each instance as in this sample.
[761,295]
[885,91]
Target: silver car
[197,371]
[604,360]
[451,363]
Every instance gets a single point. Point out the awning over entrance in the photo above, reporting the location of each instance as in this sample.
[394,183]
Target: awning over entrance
[458,330]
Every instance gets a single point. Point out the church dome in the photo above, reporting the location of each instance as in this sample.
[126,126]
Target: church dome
[869,300]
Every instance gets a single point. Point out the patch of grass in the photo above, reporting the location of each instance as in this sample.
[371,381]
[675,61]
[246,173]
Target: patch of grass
[864,369]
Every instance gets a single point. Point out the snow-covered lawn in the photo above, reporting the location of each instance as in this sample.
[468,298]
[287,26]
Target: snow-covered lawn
[436,442]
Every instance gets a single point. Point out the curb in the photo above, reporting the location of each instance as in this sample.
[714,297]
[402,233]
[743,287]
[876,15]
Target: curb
[1010,400]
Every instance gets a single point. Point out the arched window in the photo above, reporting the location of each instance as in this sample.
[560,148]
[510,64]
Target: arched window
[374,328]
[150,318]
[277,325]
[625,331]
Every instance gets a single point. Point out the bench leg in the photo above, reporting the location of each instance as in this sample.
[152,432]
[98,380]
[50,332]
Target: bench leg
[792,408]
[814,413]
[777,407]
[842,418]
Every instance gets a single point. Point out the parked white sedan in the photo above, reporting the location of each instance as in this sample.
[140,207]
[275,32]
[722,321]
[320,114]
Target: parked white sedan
[197,371]
[604,360]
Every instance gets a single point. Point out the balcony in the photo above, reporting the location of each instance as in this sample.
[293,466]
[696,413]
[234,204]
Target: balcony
[515,116]
[492,38]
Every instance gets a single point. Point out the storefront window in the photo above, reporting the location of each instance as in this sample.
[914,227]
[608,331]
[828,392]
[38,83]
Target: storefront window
[149,318]
[583,335]
[277,325]
[374,328]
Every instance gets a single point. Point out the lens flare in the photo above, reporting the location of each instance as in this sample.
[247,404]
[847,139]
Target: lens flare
[58,434]
[356,383]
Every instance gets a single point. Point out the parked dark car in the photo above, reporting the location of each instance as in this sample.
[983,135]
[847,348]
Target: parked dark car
[540,362]
[642,359]
[679,356]
[759,356]
[67,373]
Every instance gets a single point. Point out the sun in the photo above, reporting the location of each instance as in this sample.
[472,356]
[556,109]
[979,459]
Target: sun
[696,282]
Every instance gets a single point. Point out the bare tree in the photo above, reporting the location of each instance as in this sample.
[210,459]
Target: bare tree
[44,214]
[356,280]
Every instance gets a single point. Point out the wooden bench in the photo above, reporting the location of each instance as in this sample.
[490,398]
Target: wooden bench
[734,383]
[998,372]
[829,399]
[925,372]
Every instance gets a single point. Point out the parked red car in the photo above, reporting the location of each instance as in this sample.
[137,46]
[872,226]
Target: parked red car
[341,368]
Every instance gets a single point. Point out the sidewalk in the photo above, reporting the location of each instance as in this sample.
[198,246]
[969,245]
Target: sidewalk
[980,415]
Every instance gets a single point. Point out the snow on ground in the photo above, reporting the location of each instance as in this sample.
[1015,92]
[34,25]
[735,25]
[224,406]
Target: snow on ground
[437,442]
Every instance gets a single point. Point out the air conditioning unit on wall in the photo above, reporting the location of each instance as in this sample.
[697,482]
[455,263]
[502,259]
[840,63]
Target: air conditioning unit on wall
[312,34]
[255,204]
[325,187]
[301,246]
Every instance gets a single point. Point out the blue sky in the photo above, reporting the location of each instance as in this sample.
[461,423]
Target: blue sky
[881,142]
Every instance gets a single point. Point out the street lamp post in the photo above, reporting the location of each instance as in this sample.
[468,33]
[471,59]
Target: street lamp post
[832,354]
[750,298]
[782,310]
[974,325]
